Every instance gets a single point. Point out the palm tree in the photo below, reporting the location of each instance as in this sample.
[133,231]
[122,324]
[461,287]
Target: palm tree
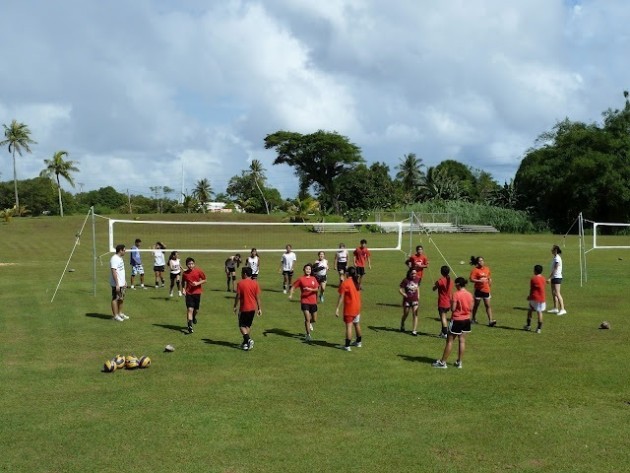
[189,203]
[18,138]
[57,166]
[258,173]
[411,175]
[302,209]
[202,192]
[440,186]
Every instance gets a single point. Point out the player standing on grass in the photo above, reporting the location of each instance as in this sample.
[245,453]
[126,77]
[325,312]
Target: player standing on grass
[462,300]
[351,297]
[536,298]
[444,287]
[287,261]
[136,264]
[192,287]
[320,271]
[175,272]
[158,263]
[556,280]
[231,265]
[480,276]
[118,283]
[253,261]
[247,305]
[341,261]
[361,257]
[409,290]
[308,286]
[418,261]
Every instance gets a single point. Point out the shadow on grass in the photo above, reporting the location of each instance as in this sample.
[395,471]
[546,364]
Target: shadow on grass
[273,290]
[388,304]
[418,359]
[521,308]
[99,316]
[222,343]
[177,328]
[282,333]
[325,344]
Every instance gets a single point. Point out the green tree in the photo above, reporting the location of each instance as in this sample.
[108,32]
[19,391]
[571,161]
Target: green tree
[411,176]
[301,210]
[368,188]
[258,174]
[439,185]
[203,193]
[17,138]
[318,159]
[59,167]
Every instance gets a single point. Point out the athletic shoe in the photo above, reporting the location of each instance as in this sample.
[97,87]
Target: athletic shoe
[492,323]
[527,328]
[156,286]
[562,312]
[133,287]
[126,317]
[284,291]
[194,320]
[308,337]
[170,294]
[358,344]
[143,286]
[250,344]
[310,326]
[537,330]
[458,364]
[439,364]
[552,311]
[179,293]
[346,348]
[414,333]
[190,329]
[245,346]
[321,299]
[118,318]
[474,321]
[442,335]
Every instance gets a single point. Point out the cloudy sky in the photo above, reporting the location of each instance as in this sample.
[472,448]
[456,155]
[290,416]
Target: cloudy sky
[136,89]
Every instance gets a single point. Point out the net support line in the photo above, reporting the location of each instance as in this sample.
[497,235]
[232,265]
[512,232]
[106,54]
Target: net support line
[425,231]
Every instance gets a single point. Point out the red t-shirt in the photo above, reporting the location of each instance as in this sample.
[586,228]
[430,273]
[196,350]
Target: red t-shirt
[193,275]
[418,262]
[308,296]
[462,302]
[351,298]
[247,290]
[410,286]
[360,256]
[444,289]
[478,273]
[537,288]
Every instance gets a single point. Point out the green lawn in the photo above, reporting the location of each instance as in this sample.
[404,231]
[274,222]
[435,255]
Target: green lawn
[554,402]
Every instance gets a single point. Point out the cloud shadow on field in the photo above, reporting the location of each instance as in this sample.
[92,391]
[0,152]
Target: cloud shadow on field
[96,315]
[177,328]
[222,343]
[418,359]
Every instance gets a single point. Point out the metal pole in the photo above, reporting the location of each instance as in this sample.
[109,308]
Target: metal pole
[93,252]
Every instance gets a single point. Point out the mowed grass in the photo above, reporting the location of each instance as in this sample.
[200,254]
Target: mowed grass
[554,402]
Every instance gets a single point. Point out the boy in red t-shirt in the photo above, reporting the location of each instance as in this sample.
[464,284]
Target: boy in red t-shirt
[192,280]
[247,305]
[361,258]
[536,298]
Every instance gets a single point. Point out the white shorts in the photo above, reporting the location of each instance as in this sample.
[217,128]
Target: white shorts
[537,306]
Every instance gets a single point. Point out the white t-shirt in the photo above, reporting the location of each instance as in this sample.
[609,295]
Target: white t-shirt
[116,262]
[288,260]
[158,258]
[322,266]
[342,256]
[175,266]
[556,271]
[254,263]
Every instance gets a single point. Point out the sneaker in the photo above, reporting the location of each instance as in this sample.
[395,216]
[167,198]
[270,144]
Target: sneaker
[562,312]
[251,344]
[527,328]
[414,333]
[321,299]
[170,294]
[346,348]
[537,330]
[118,318]
[308,337]
[474,321]
[458,364]
[179,293]
[133,287]
[125,317]
[245,346]
[442,335]
[190,329]
[143,286]
[552,311]
[358,344]
[439,364]
[492,323]
[284,291]
[194,320]
[310,326]
[156,286]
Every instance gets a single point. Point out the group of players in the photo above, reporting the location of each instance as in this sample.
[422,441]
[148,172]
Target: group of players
[452,295]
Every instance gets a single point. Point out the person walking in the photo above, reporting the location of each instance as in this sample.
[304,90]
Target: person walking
[350,297]
[193,280]
[136,264]
[308,286]
[481,277]
[247,305]
[444,287]
[175,272]
[287,262]
[408,289]
[536,298]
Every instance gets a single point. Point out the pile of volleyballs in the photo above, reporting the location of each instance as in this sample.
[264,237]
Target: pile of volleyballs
[129,362]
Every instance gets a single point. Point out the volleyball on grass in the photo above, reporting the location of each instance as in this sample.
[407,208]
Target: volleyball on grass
[109,366]
[144,362]
[604,325]
[131,362]
[120,361]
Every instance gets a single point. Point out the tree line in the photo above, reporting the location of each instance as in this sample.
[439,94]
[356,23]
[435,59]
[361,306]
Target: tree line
[574,167]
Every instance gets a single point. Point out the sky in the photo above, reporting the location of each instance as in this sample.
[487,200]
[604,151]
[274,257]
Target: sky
[137,91]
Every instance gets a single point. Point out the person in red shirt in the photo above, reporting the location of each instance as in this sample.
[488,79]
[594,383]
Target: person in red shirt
[536,298]
[409,290]
[419,261]
[480,276]
[461,303]
[192,281]
[444,287]
[309,287]
[350,296]
[247,305]
[361,258]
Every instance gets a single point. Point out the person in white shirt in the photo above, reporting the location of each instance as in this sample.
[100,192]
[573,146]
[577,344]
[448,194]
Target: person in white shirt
[287,262]
[555,278]
[117,280]
[253,261]
[341,261]
[175,268]
[158,263]
[320,270]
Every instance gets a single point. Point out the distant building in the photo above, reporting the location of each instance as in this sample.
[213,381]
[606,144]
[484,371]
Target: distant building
[223,207]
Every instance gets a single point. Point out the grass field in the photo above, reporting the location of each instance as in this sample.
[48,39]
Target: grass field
[553,402]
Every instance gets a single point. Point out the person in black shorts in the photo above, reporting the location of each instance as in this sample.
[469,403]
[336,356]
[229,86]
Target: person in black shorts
[231,265]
